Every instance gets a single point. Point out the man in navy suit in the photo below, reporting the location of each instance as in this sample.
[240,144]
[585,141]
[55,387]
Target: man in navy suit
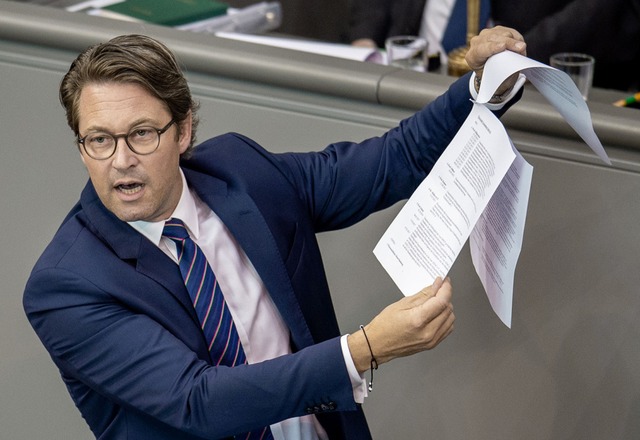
[107,298]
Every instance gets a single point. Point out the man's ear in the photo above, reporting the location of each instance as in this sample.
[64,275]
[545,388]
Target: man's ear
[84,161]
[185,133]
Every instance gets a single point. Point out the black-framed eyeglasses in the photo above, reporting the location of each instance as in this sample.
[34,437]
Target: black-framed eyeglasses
[143,140]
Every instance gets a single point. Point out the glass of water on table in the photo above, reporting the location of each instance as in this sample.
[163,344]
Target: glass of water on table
[407,52]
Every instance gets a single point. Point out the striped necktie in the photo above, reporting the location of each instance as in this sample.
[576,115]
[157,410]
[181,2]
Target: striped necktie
[208,301]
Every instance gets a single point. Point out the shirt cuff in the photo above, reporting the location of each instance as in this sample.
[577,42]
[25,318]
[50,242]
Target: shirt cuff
[497,105]
[358,383]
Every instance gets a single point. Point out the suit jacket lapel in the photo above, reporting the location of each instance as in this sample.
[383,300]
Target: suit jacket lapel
[240,214]
[129,245]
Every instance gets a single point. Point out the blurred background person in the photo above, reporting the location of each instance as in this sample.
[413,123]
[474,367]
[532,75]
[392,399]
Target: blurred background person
[443,23]
[608,30]
[322,20]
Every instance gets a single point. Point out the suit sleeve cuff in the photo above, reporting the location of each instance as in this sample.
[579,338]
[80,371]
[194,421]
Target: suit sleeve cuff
[505,99]
[358,382]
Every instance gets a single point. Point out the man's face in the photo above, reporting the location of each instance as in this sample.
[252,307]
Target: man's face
[133,187]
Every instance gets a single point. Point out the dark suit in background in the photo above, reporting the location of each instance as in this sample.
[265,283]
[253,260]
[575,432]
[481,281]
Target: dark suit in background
[380,19]
[324,20]
[609,30]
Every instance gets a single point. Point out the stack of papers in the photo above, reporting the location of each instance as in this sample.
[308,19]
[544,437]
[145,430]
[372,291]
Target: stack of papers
[478,191]
[321,48]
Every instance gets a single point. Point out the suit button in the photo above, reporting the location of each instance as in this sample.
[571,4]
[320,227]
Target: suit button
[332,406]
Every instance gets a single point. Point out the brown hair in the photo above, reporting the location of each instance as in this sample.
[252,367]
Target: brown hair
[134,59]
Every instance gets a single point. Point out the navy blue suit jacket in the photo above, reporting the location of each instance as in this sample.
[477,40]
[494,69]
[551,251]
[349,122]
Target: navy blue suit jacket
[113,312]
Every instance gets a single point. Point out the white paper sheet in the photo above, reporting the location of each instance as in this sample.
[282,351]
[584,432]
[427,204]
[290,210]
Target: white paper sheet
[479,190]
[552,83]
[426,237]
[321,48]
[496,240]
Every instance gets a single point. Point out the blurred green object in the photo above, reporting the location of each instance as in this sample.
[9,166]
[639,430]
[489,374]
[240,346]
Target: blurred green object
[169,12]
[632,101]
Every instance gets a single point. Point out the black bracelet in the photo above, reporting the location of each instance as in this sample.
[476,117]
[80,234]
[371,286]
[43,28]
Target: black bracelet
[374,362]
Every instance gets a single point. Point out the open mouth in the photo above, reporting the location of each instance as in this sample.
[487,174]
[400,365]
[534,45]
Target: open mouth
[129,188]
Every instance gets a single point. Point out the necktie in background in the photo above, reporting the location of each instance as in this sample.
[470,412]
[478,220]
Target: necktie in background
[455,35]
[208,301]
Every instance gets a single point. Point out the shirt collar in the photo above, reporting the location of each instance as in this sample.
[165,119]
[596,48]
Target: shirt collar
[185,211]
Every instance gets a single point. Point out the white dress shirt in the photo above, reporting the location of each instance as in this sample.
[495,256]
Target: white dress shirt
[435,19]
[261,329]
